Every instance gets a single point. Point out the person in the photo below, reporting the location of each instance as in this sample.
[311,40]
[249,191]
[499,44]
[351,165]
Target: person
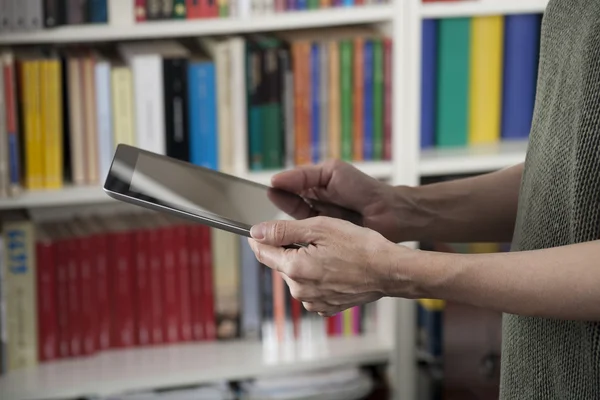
[548,286]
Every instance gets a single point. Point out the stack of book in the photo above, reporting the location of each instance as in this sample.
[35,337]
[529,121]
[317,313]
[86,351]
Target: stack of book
[74,288]
[479,79]
[32,15]
[154,10]
[234,104]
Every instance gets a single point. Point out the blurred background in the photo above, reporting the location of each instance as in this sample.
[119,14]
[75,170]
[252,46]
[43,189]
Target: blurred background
[103,301]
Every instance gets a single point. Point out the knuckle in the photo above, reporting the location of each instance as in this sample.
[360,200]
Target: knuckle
[293,272]
[279,231]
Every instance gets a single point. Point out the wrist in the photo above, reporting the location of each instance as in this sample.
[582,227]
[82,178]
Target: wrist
[411,213]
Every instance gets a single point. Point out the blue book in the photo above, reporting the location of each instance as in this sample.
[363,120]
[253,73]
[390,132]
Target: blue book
[98,11]
[202,115]
[315,104]
[521,55]
[368,102]
[428,82]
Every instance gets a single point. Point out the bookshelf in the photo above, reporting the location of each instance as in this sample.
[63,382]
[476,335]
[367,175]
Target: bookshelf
[112,373]
[117,371]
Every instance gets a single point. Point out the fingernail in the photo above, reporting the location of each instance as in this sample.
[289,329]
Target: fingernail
[257,232]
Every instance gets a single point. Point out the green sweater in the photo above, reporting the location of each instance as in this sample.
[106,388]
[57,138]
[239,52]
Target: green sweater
[559,204]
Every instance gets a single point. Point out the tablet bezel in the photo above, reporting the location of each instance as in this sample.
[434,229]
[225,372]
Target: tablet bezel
[119,188]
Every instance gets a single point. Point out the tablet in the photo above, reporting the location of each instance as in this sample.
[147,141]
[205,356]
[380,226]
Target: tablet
[209,197]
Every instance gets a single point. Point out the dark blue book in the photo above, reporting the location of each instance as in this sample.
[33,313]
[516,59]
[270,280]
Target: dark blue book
[428,82]
[315,73]
[368,102]
[521,55]
[98,11]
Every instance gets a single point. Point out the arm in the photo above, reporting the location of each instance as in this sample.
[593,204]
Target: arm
[560,282]
[481,208]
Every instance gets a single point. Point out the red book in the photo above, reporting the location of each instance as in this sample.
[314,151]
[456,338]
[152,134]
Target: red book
[210,8]
[103,300]
[73,287]
[387,104]
[87,295]
[122,305]
[183,280]
[194,9]
[208,303]
[196,287]
[140,11]
[331,326]
[296,316]
[62,296]
[143,292]
[46,297]
[171,318]
[155,301]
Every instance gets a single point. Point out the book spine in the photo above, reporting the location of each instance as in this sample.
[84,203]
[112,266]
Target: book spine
[485,85]
[428,82]
[203,115]
[368,113]
[105,145]
[209,314]
[35,15]
[6,17]
[122,300]
[153,10]
[182,256]
[87,295]
[225,134]
[176,108]
[255,134]
[102,256]
[302,119]
[90,120]
[171,321]
[76,125]
[387,107]
[315,109]
[123,106]
[335,139]
[194,9]
[21,310]
[12,125]
[271,110]
[53,122]
[62,299]
[378,99]
[142,283]
[19,9]
[452,83]
[156,294]
[4,156]
[287,88]
[97,11]
[196,287]
[167,7]
[46,301]
[346,98]
[251,292]
[324,101]
[521,53]
[140,11]
[76,12]
[179,9]
[34,135]
[358,99]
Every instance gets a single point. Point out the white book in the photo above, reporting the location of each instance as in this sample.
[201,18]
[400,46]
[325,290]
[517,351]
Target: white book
[146,62]
[104,119]
[5,15]
[19,9]
[239,104]
[35,15]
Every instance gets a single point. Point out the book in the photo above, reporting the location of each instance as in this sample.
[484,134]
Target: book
[428,82]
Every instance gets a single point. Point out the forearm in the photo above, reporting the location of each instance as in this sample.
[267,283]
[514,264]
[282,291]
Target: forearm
[481,208]
[560,283]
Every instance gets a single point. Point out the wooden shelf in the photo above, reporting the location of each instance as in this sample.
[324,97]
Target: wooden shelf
[470,8]
[205,27]
[470,160]
[114,372]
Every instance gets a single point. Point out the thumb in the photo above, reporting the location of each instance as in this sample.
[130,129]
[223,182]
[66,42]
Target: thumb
[284,232]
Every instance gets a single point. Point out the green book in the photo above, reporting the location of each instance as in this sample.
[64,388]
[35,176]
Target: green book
[452,121]
[179,10]
[378,99]
[313,4]
[346,98]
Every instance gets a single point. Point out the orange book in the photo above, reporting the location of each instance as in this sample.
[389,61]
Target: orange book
[358,99]
[335,140]
[301,56]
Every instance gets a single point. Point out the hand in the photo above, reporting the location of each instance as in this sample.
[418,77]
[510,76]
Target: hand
[342,184]
[343,266]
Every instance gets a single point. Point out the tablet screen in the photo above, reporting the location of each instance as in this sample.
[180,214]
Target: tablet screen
[186,187]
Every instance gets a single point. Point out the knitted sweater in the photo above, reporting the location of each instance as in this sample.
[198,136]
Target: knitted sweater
[559,204]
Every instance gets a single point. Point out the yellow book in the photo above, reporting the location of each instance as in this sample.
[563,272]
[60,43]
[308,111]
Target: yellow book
[433,304]
[347,320]
[52,121]
[122,106]
[485,86]
[34,150]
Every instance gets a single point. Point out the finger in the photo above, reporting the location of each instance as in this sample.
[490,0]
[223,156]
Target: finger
[292,205]
[303,178]
[276,258]
[283,233]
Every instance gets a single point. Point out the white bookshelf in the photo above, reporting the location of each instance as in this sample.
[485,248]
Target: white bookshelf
[136,369]
[116,372]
